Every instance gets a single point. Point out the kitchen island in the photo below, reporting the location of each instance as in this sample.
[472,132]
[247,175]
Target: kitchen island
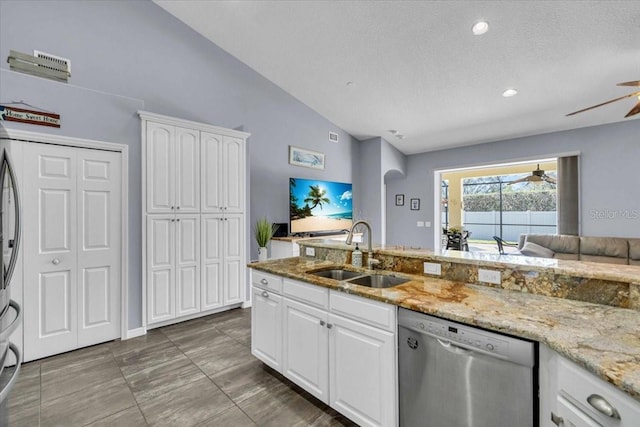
[586,312]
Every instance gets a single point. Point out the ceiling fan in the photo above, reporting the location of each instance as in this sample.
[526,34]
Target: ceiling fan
[634,110]
[537,175]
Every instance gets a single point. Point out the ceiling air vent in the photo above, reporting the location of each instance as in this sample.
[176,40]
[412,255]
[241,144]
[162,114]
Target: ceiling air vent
[49,67]
[64,62]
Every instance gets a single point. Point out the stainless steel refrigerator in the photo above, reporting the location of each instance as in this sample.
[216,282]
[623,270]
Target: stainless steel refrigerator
[10,312]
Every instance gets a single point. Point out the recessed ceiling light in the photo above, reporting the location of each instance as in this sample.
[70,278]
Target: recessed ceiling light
[480,27]
[509,93]
[350,83]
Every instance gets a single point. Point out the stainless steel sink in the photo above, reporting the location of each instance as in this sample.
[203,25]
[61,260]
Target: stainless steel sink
[378,281]
[336,274]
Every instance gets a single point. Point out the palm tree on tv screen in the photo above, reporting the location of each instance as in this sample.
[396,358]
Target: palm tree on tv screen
[316,197]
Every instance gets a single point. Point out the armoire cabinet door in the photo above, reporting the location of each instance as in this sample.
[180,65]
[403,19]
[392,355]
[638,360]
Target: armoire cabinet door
[160,268]
[234,265]
[187,264]
[212,259]
[233,169]
[160,167]
[211,163]
[187,170]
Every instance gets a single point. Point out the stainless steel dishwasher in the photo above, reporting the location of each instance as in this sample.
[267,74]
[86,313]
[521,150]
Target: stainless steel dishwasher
[454,375]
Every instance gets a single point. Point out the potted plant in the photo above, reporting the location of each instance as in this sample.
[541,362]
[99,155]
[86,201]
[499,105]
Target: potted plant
[264,231]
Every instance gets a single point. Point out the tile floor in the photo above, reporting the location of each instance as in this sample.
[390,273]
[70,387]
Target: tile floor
[200,372]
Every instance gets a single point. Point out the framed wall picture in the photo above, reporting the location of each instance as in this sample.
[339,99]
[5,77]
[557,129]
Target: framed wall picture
[415,204]
[307,158]
[399,199]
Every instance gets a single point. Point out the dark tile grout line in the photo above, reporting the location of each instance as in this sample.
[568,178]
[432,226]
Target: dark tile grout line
[211,379]
[137,404]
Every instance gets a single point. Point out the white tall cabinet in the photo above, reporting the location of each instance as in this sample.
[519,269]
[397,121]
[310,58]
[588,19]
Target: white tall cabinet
[194,202]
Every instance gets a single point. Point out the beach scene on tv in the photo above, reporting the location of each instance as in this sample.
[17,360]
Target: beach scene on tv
[316,205]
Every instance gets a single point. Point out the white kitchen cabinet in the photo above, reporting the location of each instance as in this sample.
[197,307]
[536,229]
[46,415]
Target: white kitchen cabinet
[222,260]
[266,319]
[305,348]
[362,371]
[194,169]
[578,398]
[340,348]
[173,266]
[223,169]
[172,166]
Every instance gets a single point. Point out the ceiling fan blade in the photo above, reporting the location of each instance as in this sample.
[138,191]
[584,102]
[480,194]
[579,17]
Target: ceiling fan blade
[549,179]
[635,83]
[604,103]
[635,110]
[525,179]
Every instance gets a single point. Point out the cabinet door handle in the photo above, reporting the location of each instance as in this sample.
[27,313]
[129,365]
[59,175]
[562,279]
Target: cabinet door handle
[178,219]
[178,207]
[322,323]
[559,421]
[265,294]
[173,220]
[55,261]
[329,325]
[264,281]
[173,207]
[603,406]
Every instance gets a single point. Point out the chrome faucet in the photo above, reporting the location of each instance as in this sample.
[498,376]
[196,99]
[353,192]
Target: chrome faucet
[371,261]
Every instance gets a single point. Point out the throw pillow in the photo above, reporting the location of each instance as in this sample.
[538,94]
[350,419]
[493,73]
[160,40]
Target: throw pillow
[532,249]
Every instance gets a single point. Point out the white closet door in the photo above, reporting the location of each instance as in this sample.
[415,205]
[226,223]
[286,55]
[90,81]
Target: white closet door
[50,252]
[160,167]
[233,167]
[234,272]
[212,233]
[161,284]
[187,264]
[211,149]
[187,170]
[99,246]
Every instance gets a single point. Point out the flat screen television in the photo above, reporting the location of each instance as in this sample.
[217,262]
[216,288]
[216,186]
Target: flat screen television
[317,206]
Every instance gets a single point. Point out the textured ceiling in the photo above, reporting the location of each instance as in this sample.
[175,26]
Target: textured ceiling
[416,66]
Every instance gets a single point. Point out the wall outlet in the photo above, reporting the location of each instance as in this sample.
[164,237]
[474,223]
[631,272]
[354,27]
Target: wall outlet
[310,251]
[427,223]
[489,276]
[420,223]
[432,268]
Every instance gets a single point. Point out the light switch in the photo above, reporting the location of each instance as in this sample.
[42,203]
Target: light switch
[420,223]
[310,251]
[427,223]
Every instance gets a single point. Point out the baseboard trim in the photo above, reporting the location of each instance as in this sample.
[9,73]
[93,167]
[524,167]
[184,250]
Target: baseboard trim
[137,332]
[246,304]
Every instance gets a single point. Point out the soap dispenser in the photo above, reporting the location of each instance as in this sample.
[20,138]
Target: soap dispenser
[356,257]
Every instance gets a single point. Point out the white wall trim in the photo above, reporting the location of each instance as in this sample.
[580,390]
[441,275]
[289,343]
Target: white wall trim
[133,333]
[67,141]
[159,118]
[246,304]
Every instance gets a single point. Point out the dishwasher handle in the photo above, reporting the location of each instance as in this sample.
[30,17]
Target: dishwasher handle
[451,347]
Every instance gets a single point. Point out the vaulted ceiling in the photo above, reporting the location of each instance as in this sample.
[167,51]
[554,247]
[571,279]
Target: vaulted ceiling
[416,67]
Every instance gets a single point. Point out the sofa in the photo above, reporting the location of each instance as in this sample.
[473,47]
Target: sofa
[613,250]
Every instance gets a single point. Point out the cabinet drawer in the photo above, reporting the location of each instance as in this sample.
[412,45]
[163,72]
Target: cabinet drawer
[373,313]
[304,292]
[576,384]
[266,281]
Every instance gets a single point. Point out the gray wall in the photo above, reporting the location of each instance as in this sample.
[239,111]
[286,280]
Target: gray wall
[131,55]
[368,186]
[609,196]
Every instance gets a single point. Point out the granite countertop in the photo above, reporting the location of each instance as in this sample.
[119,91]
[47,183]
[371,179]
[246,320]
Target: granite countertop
[595,270]
[603,339]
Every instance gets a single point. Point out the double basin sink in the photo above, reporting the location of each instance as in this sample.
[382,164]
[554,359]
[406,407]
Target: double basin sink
[359,278]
